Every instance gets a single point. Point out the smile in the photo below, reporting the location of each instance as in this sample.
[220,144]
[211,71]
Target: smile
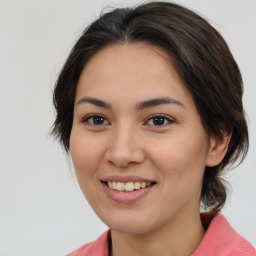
[128,186]
[127,190]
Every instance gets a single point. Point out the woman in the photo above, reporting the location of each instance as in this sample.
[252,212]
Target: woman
[149,105]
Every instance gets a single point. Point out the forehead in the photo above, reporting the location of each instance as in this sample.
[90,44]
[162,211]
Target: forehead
[136,57]
[135,70]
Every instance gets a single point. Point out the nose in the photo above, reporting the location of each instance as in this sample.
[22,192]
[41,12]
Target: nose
[125,148]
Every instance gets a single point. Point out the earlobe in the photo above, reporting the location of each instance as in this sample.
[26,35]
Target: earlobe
[218,148]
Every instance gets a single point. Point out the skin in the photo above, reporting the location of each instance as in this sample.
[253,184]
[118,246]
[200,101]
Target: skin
[127,141]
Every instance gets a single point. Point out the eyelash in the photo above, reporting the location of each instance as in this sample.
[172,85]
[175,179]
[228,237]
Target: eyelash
[162,116]
[92,116]
[87,118]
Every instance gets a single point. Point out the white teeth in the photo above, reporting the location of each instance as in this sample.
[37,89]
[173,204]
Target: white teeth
[137,185]
[128,186]
[143,184]
[110,184]
[120,186]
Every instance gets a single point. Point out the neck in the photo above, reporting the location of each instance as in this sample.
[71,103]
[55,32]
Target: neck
[181,237]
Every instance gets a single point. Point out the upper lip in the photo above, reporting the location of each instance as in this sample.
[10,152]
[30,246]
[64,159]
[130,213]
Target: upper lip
[126,179]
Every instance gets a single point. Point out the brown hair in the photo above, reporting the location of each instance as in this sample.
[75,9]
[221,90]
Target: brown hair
[201,58]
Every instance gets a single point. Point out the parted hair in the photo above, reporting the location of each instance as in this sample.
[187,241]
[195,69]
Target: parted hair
[200,56]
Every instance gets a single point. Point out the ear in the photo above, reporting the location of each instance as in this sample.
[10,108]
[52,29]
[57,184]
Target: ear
[218,148]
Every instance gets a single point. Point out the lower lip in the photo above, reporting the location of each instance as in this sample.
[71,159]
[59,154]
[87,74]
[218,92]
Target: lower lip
[126,197]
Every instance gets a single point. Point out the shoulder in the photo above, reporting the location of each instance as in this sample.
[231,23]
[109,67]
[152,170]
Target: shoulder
[83,250]
[244,248]
[98,247]
[221,239]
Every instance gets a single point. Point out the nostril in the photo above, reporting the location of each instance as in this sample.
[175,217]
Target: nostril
[124,152]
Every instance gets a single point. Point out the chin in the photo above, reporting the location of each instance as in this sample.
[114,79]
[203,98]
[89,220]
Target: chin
[126,225]
[129,229]
[140,227]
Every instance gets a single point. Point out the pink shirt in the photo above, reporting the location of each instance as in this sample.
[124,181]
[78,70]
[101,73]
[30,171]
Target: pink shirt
[220,240]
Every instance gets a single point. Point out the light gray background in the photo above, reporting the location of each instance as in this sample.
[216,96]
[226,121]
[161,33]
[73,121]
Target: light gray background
[42,211]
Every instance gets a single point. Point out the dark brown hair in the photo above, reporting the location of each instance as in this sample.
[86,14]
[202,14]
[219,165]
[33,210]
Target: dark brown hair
[201,58]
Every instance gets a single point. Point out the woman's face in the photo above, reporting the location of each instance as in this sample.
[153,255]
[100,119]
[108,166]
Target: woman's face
[135,124]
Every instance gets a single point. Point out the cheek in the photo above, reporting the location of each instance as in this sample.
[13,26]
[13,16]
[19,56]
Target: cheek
[86,157]
[85,152]
[181,160]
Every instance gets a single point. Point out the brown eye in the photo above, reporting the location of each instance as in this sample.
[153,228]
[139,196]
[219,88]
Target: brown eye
[95,120]
[159,120]
[98,120]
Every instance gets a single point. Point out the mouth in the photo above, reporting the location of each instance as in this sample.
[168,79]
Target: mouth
[127,189]
[128,186]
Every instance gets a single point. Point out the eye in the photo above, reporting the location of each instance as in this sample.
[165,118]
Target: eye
[95,120]
[159,120]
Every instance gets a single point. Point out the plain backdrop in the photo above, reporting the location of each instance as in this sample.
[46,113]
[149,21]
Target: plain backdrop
[42,211]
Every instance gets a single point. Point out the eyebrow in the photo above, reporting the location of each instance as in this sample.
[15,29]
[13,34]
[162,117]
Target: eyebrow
[139,106]
[156,102]
[97,102]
